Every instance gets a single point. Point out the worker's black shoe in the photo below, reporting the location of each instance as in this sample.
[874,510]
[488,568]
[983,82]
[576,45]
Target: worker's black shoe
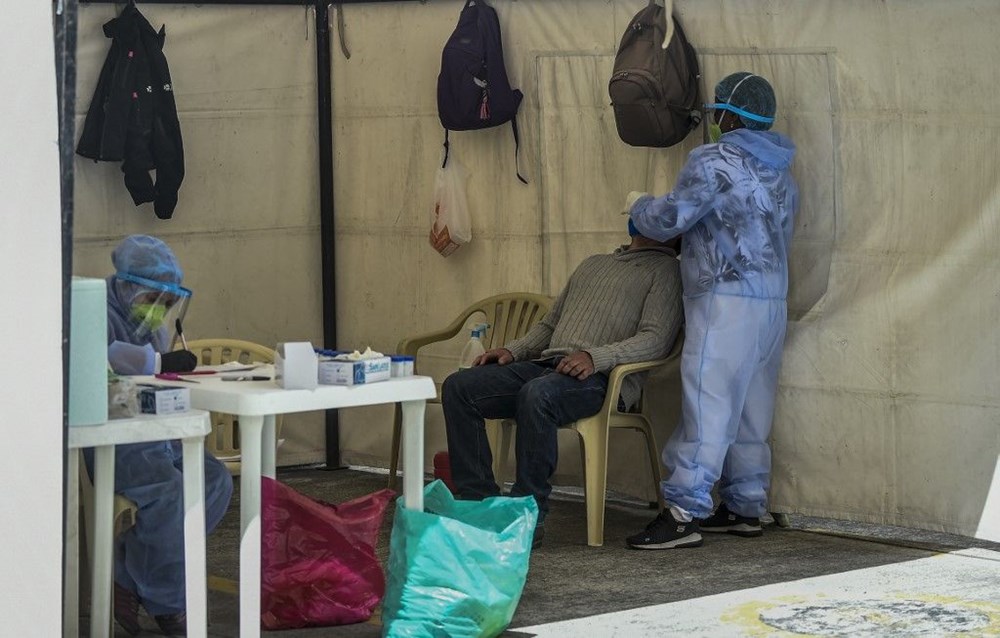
[666,532]
[539,535]
[725,522]
[126,610]
[172,624]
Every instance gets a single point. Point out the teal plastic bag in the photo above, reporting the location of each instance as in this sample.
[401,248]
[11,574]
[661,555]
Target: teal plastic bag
[458,568]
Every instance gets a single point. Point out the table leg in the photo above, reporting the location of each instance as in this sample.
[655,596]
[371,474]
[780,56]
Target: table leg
[71,593]
[413,454]
[102,567]
[195,572]
[251,430]
[269,449]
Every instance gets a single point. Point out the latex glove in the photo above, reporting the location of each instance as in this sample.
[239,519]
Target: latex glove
[178,361]
[631,199]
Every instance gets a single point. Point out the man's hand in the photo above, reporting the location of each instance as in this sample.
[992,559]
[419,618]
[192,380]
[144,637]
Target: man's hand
[500,356]
[578,364]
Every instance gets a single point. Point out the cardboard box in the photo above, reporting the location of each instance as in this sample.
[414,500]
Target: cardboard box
[164,400]
[295,366]
[333,372]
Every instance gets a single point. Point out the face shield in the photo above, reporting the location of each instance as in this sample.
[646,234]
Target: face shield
[154,309]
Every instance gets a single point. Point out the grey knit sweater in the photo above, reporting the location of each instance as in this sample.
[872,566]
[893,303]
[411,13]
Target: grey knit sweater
[619,308]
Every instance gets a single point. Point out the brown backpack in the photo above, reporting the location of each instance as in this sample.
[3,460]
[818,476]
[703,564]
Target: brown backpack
[654,91]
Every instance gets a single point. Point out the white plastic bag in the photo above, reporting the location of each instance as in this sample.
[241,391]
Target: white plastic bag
[451,225]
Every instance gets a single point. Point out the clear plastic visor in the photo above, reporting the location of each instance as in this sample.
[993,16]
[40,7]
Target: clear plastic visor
[155,308]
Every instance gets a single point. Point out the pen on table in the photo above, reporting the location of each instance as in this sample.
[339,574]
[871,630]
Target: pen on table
[258,378]
[180,333]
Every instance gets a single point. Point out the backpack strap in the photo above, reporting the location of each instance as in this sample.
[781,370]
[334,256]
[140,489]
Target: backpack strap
[517,148]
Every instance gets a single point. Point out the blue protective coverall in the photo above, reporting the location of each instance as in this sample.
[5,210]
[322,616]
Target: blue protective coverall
[735,203]
[150,556]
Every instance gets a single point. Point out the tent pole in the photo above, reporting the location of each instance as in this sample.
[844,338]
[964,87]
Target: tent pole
[324,91]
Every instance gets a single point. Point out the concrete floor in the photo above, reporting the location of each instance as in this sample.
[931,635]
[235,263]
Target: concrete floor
[723,580]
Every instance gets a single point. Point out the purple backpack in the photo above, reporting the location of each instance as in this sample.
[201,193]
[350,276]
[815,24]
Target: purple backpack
[473,91]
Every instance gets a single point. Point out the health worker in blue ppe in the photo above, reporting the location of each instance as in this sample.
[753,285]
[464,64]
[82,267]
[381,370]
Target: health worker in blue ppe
[734,203]
[144,297]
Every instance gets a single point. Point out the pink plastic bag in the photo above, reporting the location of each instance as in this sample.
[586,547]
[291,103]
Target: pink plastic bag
[318,563]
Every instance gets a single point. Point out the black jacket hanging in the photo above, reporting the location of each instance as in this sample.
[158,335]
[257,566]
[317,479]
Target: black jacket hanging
[133,117]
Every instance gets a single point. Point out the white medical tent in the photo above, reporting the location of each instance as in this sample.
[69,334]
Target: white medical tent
[888,409]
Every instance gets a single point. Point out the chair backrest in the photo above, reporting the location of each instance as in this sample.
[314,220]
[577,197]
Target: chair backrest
[510,315]
[224,441]
[213,352]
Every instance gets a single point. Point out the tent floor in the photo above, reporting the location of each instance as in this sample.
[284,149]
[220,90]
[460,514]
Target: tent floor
[569,580]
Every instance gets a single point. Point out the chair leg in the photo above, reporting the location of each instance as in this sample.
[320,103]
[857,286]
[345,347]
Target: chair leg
[594,440]
[654,462]
[397,431]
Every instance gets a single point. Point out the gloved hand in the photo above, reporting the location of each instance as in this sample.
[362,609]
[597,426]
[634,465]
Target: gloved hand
[631,199]
[178,361]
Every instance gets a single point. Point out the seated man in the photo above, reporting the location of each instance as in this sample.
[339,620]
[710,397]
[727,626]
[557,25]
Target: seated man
[144,296]
[618,308]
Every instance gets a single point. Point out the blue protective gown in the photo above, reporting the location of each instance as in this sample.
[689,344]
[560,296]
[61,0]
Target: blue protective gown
[734,202]
[150,556]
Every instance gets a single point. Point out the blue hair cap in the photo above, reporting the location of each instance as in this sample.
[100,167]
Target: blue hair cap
[146,257]
[751,94]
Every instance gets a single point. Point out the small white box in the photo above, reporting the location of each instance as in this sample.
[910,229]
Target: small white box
[333,372]
[295,366]
[163,400]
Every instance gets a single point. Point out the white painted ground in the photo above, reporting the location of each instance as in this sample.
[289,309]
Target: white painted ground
[955,594]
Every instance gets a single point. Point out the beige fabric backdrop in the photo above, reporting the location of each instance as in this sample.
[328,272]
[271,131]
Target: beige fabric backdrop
[887,409]
[246,227]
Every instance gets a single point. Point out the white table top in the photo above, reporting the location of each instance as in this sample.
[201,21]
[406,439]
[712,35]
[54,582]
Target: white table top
[141,429]
[262,398]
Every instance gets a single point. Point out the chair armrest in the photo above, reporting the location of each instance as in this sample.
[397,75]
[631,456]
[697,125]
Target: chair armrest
[622,370]
[410,345]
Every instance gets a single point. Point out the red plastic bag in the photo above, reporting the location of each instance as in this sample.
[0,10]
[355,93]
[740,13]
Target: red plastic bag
[318,563]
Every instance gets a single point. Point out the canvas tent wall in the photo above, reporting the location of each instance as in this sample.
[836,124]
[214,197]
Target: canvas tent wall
[887,409]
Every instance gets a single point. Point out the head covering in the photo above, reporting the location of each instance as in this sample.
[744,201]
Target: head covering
[750,97]
[145,297]
[146,257]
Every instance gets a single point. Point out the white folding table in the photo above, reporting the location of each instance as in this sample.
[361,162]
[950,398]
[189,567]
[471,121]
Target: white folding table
[255,403]
[191,428]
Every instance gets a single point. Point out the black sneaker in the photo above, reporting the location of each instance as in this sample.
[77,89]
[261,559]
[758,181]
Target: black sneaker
[536,539]
[725,522]
[172,624]
[666,532]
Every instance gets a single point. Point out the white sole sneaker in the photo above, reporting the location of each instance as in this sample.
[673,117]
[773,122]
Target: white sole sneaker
[691,540]
[741,529]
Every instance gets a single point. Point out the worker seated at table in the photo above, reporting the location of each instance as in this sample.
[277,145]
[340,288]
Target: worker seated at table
[145,296]
[616,308]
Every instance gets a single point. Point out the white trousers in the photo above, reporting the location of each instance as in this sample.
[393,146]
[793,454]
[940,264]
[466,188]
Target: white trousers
[729,374]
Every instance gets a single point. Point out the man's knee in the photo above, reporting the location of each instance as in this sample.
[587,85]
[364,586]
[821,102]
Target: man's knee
[456,386]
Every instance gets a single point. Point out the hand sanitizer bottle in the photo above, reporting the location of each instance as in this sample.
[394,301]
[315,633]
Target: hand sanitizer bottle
[474,347]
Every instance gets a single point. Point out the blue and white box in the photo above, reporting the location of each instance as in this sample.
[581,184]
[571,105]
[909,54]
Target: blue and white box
[164,399]
[346,372]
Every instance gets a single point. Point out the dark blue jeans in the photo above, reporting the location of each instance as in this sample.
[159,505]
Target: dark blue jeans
[539,398]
